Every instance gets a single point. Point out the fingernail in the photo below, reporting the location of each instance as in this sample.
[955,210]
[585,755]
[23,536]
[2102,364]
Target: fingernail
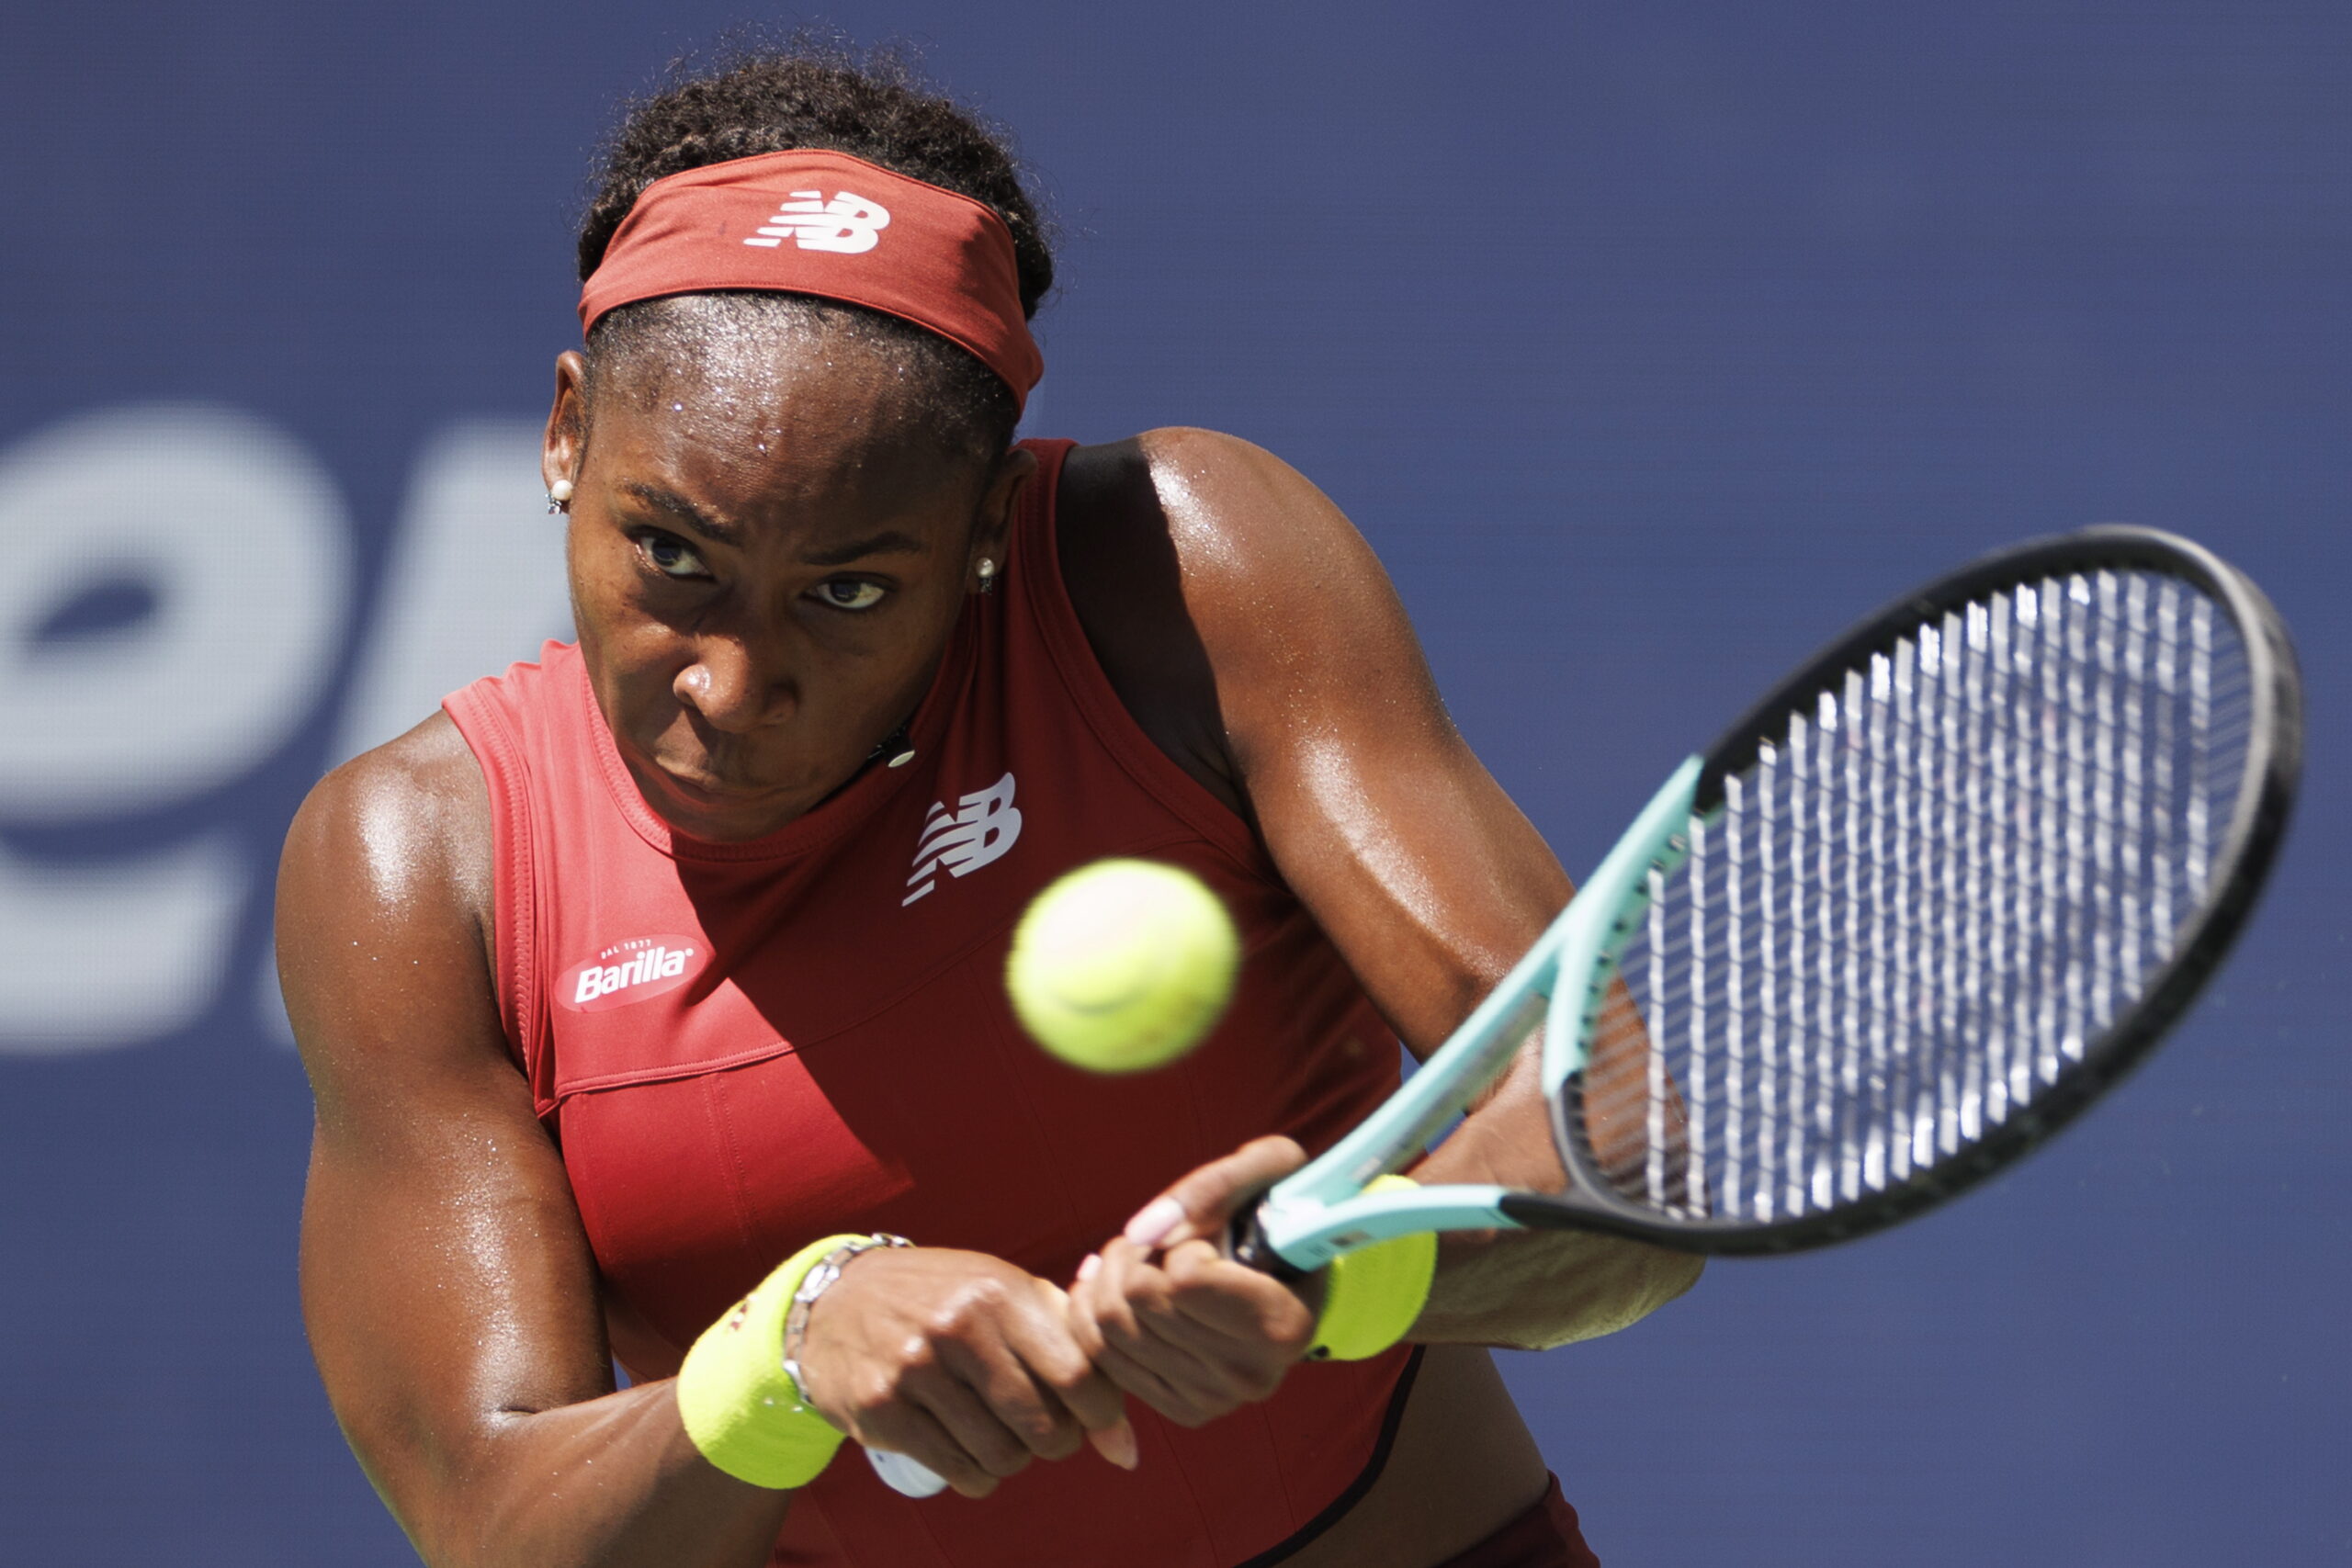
[1117,1444]
[1151,1225]
[1086,1271]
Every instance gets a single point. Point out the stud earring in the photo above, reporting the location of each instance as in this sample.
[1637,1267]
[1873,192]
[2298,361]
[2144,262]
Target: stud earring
[558,495]
[895,747]
[987,570]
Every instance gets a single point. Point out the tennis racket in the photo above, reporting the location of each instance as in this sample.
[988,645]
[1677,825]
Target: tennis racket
[1912,914]
[1915,911]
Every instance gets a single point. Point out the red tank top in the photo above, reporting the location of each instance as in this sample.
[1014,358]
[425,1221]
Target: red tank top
[741,1047]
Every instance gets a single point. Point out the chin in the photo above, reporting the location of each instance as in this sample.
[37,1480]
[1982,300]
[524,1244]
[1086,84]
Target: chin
[731,810]
[721,819]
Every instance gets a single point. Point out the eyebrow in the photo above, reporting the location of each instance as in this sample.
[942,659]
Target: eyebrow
[889,542]
[712,528]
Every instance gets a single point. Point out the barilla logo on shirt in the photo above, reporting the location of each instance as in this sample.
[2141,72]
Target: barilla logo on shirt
[631,971]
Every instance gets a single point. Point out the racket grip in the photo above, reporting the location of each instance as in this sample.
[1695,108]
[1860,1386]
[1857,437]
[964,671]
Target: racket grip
[906,1474]
[1245,1242]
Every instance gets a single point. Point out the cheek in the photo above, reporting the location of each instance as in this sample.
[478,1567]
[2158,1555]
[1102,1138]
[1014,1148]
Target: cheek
[897,670]
[602,582]
[608,595]
[634,681]
[633,659]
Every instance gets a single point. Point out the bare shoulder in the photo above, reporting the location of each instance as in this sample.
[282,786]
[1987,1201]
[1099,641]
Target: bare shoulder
[384,899]
[1217,585]
[392,822]
[1228,506]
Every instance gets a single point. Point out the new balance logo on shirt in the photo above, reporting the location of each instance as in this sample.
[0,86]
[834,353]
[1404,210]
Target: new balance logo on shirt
[847,223]
[981,828]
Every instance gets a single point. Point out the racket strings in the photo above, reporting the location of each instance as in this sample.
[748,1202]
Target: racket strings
[1964,861]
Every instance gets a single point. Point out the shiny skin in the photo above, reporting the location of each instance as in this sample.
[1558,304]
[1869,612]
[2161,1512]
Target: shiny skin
[751,648]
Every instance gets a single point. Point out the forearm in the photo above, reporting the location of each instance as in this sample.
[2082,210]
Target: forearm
[609,1483]
[1532,1290]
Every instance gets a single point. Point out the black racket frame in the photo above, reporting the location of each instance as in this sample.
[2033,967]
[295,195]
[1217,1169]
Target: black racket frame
[2258,824]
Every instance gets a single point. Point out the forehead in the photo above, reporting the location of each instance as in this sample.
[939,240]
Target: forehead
[781,417]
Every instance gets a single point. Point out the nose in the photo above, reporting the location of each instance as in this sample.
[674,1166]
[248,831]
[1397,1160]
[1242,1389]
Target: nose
[732,690]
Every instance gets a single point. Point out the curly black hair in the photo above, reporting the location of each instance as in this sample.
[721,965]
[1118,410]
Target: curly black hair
[818,93]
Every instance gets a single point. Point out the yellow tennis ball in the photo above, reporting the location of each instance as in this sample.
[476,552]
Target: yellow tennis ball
[1123,965]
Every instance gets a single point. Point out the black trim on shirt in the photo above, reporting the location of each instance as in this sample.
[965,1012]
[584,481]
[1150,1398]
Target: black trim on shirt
[1365,1478]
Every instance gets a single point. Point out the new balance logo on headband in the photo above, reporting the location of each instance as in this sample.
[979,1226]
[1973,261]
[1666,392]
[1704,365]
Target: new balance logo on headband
[981,828]
[847,223]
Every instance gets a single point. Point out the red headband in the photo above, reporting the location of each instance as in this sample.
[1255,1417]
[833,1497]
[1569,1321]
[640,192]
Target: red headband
[825,223]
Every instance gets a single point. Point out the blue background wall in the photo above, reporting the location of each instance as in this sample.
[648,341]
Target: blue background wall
[1647,344]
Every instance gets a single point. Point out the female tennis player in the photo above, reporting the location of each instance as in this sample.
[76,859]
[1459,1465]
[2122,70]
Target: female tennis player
[652,994]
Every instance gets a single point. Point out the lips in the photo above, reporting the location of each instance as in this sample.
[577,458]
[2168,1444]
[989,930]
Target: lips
[709,807]
[715,792]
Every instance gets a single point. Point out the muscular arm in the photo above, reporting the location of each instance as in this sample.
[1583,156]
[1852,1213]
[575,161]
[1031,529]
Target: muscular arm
[1297,692]
[446,1280]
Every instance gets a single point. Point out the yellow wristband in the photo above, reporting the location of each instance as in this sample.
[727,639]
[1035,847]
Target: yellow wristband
[1372,1296]
[739,1405]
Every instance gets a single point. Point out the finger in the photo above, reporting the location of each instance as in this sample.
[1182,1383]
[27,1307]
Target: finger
[1151,1297]
[1126,1294]
[1066,1365]
[1040,1386]
[915,1431]
[1045,1388]
[1205,1201]
[1256,1328]
[1240,1329]
[1099,1299]
[1079,1305]
[1235,1300]
[1216,1294]
[1097,1306]
[1148,1385]
[1129,1299]
[1117,1441]
[951,1392]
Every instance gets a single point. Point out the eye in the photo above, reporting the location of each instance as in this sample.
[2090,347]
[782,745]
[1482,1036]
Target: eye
[849,593]
[670,555]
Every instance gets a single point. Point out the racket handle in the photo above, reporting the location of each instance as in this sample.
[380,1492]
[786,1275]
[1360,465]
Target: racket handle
[1245,1242]
[906,1474]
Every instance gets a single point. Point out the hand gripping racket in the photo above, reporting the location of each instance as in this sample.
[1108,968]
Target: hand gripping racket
[1913,913]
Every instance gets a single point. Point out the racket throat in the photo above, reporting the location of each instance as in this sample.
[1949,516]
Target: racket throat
[1603,915]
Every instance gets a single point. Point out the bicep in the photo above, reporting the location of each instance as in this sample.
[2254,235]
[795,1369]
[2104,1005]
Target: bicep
[445,1280]
[1427,877]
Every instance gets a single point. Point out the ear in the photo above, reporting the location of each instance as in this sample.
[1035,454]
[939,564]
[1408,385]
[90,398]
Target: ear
[565,445]
[1006,484]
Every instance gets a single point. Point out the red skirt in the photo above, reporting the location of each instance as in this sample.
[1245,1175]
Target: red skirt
[1544,1537]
